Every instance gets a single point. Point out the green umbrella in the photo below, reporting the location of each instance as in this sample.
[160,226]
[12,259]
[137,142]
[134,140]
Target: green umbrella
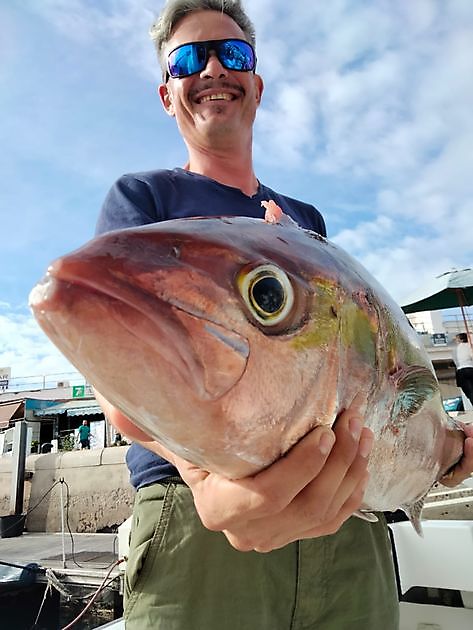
[451,289]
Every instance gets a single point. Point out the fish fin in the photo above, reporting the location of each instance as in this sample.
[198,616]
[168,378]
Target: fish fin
[274,214]
[413,512]
[366,516]
[415,385]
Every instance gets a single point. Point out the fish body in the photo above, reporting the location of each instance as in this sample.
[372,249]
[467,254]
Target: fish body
[227,339]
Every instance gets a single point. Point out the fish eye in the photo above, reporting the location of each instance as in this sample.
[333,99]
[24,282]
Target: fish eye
[267,292]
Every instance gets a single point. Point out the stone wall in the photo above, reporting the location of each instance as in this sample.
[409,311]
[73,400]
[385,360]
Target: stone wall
[97,497]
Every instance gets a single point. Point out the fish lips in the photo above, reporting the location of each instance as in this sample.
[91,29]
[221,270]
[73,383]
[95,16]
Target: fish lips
[209,358]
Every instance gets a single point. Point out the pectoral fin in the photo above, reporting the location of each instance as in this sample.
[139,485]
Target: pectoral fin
[414,385]
[413,513]
[366,516]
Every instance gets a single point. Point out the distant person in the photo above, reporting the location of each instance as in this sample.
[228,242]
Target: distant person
[84,435]
[463,358]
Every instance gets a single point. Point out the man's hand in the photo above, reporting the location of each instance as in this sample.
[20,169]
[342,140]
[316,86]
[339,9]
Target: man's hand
[309,492]
[464,468]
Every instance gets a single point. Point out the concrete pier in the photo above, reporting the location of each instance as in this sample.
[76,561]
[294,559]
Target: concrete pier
[95,488]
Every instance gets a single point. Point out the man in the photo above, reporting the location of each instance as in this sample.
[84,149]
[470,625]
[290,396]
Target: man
[186,569]
[84,435]
[463,359]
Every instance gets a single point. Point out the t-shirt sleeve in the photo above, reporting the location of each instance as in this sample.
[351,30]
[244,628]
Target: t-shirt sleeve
[130,202]
[319,223]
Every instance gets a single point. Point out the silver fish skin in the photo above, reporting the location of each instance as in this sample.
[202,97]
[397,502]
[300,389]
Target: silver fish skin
[227,339]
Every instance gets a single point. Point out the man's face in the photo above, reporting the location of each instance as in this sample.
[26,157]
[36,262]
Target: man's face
[216,103]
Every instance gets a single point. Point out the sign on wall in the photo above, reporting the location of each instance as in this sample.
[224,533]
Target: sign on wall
[5,376]
[78,391]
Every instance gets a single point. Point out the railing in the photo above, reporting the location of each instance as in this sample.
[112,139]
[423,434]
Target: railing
[44,381]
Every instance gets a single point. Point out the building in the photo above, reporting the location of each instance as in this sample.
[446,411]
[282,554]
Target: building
[53,416]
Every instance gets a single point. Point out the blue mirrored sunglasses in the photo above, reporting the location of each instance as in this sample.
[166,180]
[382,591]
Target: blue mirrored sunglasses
[233,54]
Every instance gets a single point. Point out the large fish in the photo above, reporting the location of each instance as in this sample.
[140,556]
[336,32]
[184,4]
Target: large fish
[227,339]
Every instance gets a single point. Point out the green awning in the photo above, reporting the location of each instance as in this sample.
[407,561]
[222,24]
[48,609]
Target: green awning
[71,408]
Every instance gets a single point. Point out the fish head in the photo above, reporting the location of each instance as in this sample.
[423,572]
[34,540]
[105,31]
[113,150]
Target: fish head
[200,319]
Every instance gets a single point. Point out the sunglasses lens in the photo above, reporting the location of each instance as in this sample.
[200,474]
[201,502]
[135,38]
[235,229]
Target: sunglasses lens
[236,55]
[186,60]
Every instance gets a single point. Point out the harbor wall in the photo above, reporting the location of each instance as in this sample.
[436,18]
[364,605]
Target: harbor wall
[96,492]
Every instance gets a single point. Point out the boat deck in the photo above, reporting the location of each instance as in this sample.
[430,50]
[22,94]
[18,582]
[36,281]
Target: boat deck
[88,557]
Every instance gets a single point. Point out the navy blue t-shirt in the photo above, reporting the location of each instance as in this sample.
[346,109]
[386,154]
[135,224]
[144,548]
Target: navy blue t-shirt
[149,197]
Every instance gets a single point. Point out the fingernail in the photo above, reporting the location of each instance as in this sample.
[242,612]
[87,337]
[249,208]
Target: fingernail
[366,444]
[326,442]
[355,426]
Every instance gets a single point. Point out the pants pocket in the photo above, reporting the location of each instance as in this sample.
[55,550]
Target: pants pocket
[151,513]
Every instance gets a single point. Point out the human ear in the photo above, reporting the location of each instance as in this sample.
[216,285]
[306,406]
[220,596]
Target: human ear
[259,88]
[166,99]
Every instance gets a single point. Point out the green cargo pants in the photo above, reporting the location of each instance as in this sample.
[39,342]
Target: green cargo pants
[181,576]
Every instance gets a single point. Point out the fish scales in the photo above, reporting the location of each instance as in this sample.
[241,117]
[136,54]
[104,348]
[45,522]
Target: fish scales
[227,339]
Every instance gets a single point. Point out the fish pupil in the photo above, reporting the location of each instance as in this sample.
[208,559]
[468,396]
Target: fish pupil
[268,295]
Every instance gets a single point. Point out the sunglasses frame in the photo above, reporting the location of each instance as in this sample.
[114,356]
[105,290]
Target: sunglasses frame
[210,45]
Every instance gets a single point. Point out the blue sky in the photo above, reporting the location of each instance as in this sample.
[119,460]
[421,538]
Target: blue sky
[367,114]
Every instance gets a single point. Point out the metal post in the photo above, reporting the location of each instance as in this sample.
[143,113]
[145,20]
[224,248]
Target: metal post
[18,467]
[62,526]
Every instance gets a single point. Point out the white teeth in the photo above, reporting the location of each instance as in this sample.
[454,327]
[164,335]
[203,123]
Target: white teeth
[42,291]
[216,97]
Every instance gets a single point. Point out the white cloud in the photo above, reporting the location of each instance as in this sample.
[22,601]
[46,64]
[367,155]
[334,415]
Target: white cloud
[26,349]
[384,98]
[121,23]
[386,87]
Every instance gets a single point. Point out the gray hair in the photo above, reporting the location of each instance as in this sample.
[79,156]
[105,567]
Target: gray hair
[174,10]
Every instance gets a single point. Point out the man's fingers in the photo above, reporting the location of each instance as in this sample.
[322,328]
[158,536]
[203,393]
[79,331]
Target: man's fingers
[323,504]
[351,505]
[268,492]
[464,468]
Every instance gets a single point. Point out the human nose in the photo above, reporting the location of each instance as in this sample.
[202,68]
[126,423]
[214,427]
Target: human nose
[214,68]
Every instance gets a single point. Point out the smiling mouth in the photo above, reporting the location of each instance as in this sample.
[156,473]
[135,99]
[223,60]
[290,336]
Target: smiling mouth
[221,96]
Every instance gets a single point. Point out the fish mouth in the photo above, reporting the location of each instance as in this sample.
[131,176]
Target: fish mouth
[208,357]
